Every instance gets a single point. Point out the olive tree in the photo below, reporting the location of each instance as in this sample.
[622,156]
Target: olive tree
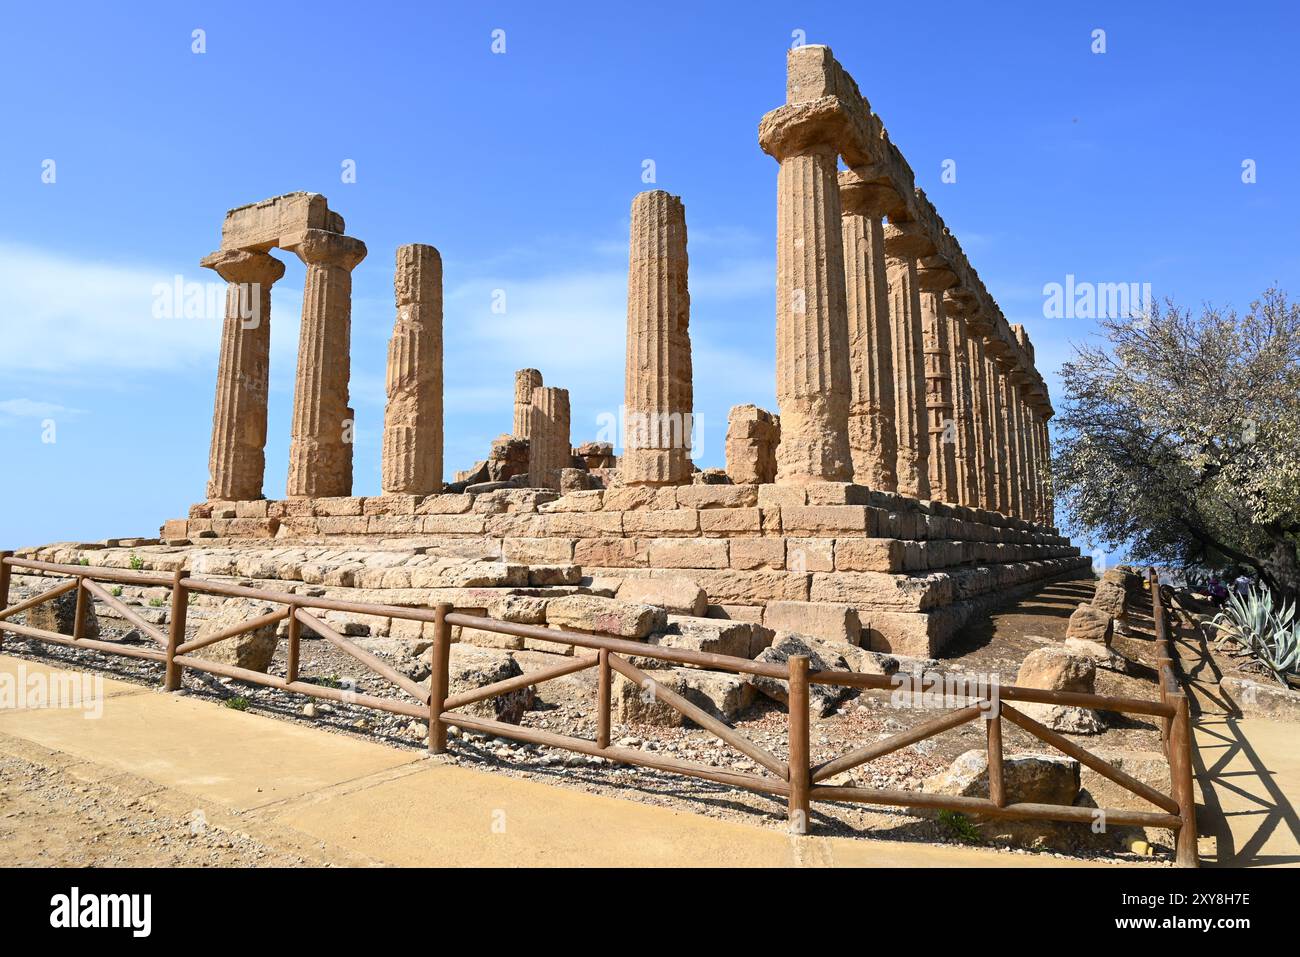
[1179,438]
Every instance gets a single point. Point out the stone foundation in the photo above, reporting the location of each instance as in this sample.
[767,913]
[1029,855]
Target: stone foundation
[914,571]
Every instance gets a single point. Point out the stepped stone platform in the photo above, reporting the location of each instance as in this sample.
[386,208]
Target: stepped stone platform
[911,571]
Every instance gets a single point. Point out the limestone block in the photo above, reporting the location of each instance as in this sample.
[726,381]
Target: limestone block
[826,519]
[676,595]
[253,649]
[605,616]
[1090,624]
[835,623]
[688,553]
[694,633]
[628,498]
[867,555]
[544,551]
[729,586]
[1027,779]
[731,521]
[888,592]
[1054,668]
[810,554]
[680,521]
[717,496]
[59,614]
[722,694]
[822,699]
[757,553]
[611,552]
[752,438]
[262,226]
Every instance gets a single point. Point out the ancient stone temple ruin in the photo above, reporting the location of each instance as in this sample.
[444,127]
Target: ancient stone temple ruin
[898,489]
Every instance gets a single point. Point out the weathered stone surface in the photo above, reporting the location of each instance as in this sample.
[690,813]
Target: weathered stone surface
[273,222]
[526,380]
[470,667]
[549,450]
[1089,624]
[722,694]
[909,363]
[253,649]
[830,622]
[1256,698]
[822,699]
[1099,655]
[678,596]
[237,459]
[605,616]
[658,387]
[752,438]
[1110,598]
[1027,779]
[693,633]
[320,451]
[60,614]
[1054,668]
[412,450]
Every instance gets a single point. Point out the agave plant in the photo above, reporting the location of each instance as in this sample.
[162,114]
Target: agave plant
[1268,633]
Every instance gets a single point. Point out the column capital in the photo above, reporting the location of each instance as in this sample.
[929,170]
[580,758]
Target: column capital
[907,241]
[320,247]
[243,266]
[798,129]
[861,197]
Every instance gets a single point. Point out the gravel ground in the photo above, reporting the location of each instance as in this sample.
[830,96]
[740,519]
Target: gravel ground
[566,706]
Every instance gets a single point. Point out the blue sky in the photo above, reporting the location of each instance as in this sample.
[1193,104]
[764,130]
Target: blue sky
[520,167]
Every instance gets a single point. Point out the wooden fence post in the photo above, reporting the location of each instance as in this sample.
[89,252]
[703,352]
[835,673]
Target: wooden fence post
[1180,773]
[78,621]
[295,638]
[176,633]
[5,572]
[603,700]
[997,787]
[439,656]
[800,772]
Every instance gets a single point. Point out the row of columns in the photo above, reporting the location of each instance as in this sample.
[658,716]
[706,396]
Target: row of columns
[886,372]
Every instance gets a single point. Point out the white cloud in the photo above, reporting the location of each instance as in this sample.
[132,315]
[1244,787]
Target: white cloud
[29,408]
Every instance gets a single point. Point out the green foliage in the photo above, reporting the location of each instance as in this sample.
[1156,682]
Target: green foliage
[961,827]
[156,602]
[237,703]
[1179,440]
[116,591]
[136,561]
[1269,631]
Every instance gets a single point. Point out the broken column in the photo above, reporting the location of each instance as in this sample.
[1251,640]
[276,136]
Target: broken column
[903,243]
[526,380]
[933,280]
[752,438]
[657,383]
[320,450]
[812,354]
[549,450]
[873,432]
[237,459]
[412,451]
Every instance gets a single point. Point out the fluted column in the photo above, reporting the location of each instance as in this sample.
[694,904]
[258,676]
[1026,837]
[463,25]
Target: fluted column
[812,355]
[1045,443]
[1014,473]
[412,452]
[549,446]
[982,421]
[902,247]
[939,405]
[657,381]
[997,435]
[873,430]
[320,450]
[963,400]
[526,380]
[237,456]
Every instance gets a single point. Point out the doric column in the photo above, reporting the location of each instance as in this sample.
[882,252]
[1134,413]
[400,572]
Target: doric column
[873,431]
[982,419]
[320,450]
[1035,462]
[902,246]
[526,380]
[939,406]
[997,435]
[1022,445]
[657,379]
[1045,443]
[1014,473]
[963,398]
[412,452]
[549,448]
[237,459]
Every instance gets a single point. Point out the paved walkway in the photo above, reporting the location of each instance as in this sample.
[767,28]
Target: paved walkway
[337,799]
[1247,773]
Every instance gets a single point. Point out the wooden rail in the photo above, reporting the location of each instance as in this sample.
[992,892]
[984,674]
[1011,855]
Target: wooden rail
[795,778]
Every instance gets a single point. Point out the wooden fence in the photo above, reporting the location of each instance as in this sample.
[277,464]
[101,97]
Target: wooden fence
[795,778]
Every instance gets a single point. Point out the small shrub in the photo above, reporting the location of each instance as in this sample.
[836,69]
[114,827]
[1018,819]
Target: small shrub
[156,602]
[136,562]
[960,827]
[116,591]
[237,703]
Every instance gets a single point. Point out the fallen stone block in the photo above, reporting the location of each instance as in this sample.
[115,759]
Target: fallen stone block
[1090,624]
[605,616]
[721,694]
[822,699]
[252,650]
[830,622]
